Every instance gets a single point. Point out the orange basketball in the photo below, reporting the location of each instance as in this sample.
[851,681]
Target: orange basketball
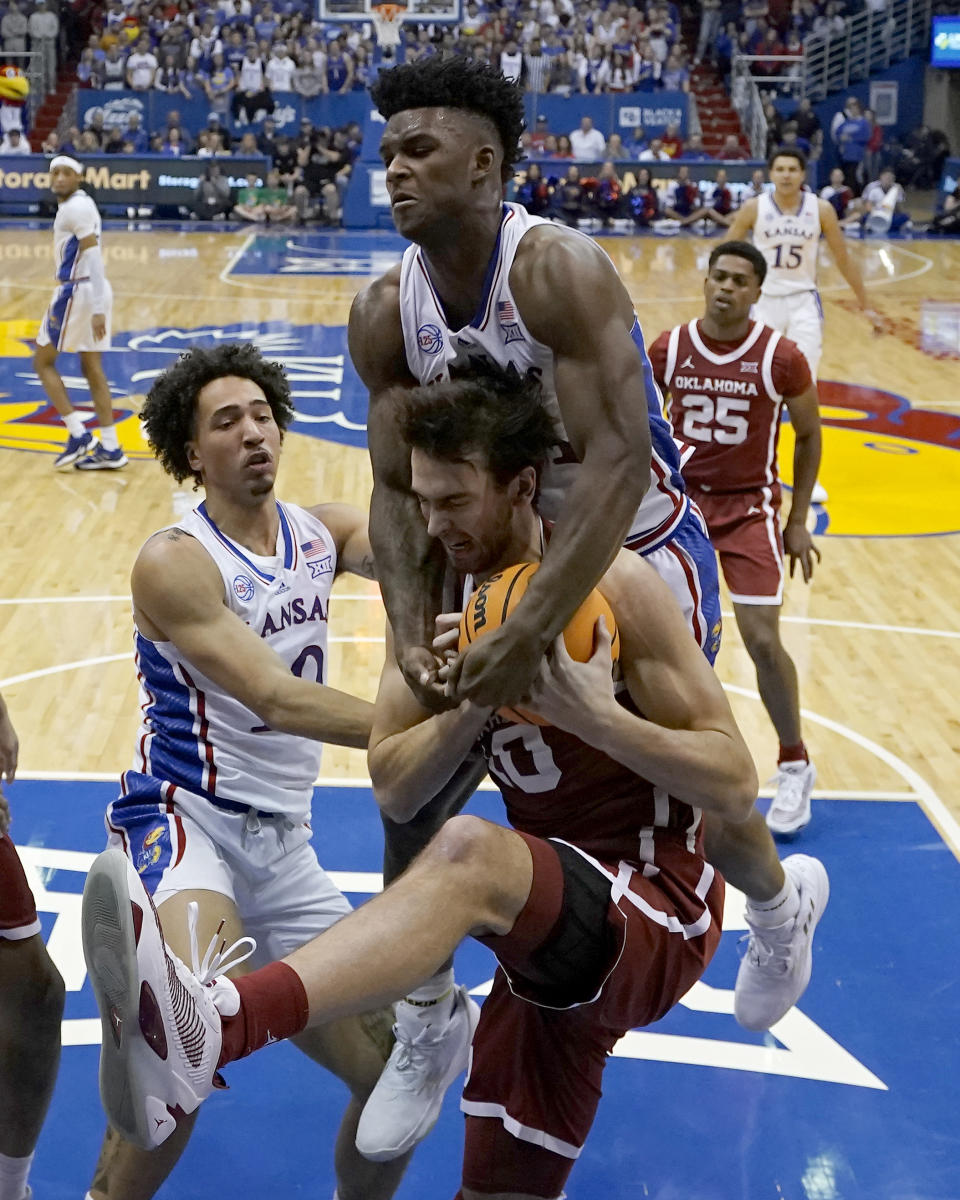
[494,600]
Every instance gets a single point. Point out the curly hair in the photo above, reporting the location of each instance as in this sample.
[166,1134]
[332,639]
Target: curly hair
[169,411]
[475,87]
[483,408]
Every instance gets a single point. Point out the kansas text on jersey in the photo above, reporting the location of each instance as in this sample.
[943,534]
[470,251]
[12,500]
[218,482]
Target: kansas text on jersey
[790,244]
[193,734]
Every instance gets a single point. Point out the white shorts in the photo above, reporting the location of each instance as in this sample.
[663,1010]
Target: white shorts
[67,323]
[798,316]
[264,864]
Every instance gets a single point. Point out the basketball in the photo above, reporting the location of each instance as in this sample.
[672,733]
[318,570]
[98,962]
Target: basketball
[13,86]
[494,600]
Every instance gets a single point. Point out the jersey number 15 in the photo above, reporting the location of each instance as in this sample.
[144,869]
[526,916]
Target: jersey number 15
[794,256]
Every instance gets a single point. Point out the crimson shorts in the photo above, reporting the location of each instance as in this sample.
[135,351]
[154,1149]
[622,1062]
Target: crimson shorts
[745,531]
[18,913]
[536,1066]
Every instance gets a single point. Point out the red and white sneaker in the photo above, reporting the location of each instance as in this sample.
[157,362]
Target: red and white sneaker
[161,1021]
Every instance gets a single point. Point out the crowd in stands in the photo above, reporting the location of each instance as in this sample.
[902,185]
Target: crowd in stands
[238,55]
[774,28]
[243,49]
[586,144]
[631,197]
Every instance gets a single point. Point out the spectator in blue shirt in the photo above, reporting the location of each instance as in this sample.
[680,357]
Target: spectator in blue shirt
[694,150]
[853,136]
[135,134]
[265,24]
[674,77]
[219,84]
[637,142]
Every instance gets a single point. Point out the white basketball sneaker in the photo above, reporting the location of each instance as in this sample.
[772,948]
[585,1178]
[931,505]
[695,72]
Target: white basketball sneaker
[790,810]
[161,1024]
[776,968]
[405,1104]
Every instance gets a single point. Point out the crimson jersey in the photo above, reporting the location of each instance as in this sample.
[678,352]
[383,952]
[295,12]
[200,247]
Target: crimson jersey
[556,786]
[725,401]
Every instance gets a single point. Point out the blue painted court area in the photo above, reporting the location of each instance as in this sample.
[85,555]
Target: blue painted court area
[855,1099]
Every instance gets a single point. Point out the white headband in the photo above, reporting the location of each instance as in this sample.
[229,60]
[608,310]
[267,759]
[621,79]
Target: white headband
[64,160]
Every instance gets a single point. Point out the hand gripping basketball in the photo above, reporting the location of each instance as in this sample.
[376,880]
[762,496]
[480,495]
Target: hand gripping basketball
[494,600]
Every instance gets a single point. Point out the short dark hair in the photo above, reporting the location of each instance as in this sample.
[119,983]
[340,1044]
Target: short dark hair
[788,152]
[169,411]
[468,84]
[741,250]
[482,408]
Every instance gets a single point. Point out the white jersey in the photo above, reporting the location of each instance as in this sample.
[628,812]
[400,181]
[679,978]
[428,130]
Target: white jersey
[193,735]
[498,333]
[77,217]
[790,244]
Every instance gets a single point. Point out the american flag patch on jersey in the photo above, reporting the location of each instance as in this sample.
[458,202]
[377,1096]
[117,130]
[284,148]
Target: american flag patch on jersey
[314,547]
[506,311]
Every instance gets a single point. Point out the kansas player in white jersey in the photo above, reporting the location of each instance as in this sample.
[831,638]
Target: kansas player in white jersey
[485,280]
[230,608]
[78,321]
[787,225]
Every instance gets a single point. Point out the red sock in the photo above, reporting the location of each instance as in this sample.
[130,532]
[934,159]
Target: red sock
[273,1005]
[793,754]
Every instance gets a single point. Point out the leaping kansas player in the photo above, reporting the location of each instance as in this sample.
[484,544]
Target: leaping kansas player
[485,279]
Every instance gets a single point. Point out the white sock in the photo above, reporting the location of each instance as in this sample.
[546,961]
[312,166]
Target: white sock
[74,424]
[13,1177]
[431,1003]
[108,435]
[782,908]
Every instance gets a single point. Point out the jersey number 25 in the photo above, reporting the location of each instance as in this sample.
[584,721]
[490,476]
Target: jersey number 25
[709,420]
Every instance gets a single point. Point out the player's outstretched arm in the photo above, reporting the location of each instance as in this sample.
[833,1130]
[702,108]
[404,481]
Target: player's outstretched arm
[410,564]
[414,753]
[178,597]
[833,235]
[797,540]
[742,224]
[687,741]
[349,526]
[572,300]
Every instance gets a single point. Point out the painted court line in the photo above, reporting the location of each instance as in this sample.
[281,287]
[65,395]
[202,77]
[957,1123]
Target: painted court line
[925,796]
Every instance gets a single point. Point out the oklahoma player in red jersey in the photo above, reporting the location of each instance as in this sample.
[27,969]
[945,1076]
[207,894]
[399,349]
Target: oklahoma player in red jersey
[728,379]
[598,902]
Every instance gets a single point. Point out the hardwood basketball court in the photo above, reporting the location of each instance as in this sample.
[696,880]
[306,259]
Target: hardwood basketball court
[876,637]
[828,1105]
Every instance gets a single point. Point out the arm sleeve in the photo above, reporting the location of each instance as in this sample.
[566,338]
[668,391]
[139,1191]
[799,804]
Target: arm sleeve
[93,262]
[790,370]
